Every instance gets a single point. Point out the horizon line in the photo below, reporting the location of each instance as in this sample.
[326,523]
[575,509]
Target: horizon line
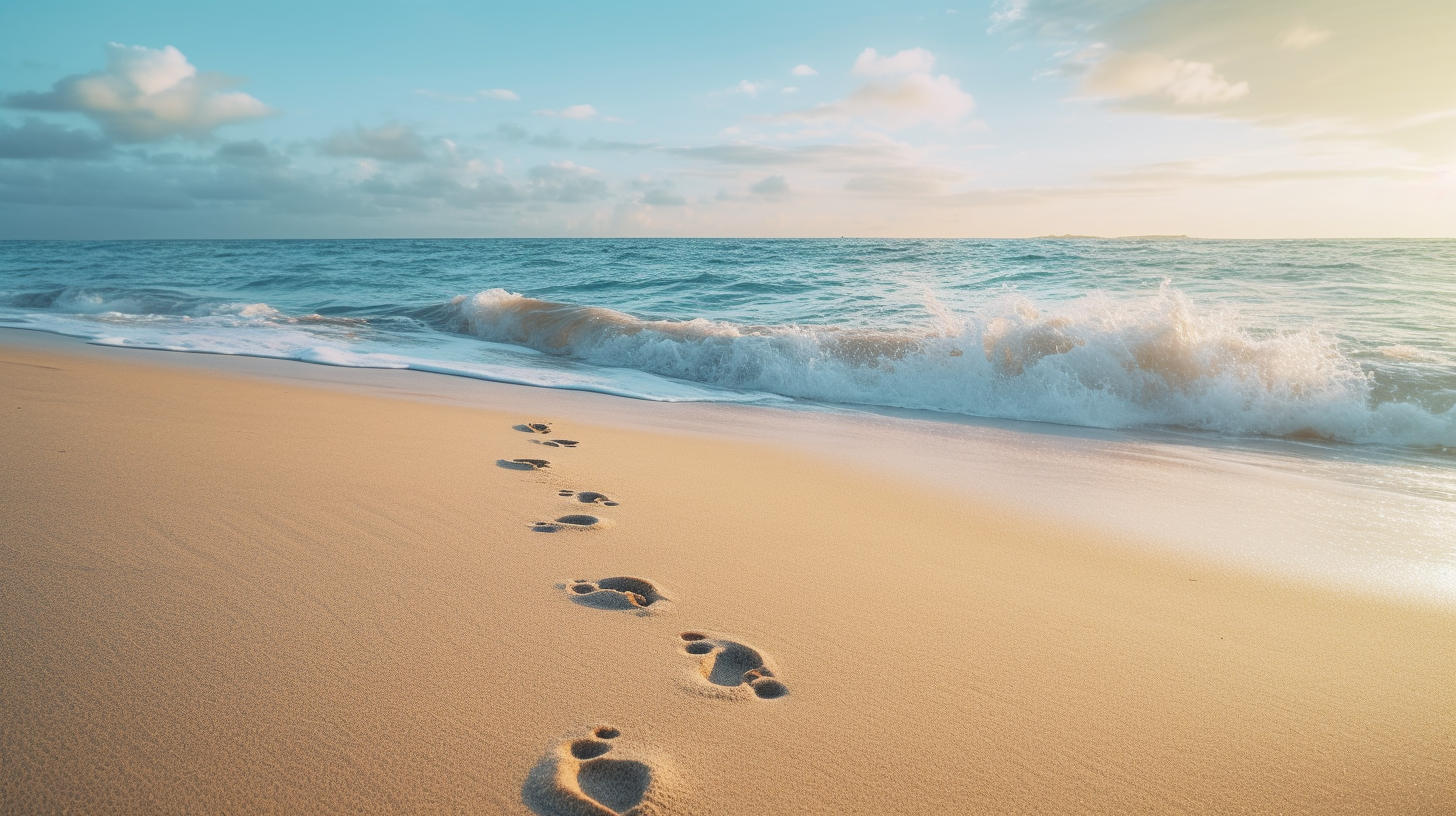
[1148,238]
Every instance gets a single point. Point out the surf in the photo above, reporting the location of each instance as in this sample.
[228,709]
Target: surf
[1098,361]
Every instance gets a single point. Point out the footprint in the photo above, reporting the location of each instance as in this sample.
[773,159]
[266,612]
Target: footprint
[589,497]
[732,665]
[558,443]
[577,778]
[523,464]
[622,592]
[534,427]
[575,521]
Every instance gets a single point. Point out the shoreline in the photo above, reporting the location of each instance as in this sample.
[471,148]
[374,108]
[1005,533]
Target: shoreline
[276,593]
[1275,514]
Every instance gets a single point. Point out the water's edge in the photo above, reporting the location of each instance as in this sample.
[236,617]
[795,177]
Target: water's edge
[1263,511]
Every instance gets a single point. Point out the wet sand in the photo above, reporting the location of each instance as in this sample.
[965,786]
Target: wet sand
[229,594]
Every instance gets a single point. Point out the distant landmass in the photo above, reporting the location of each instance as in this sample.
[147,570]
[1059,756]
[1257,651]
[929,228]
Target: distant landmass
[1127,237]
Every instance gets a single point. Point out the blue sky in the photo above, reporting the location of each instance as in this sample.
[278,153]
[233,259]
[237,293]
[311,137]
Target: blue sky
[1011,118]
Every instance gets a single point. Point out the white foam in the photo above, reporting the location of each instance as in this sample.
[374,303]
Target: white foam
[1406,353]
[1096,362]
[261,334]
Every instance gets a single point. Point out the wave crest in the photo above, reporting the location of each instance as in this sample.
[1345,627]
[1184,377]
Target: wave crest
[1097,361]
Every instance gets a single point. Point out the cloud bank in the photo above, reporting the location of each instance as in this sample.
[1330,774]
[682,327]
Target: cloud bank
[42,140]
[1377,73]
[841,167]
[391,143]
[146,95]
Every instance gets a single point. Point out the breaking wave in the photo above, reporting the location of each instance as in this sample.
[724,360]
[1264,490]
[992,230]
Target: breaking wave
[1100,361]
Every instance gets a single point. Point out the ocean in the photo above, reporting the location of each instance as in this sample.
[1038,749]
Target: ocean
[1337,355]
[1344,341]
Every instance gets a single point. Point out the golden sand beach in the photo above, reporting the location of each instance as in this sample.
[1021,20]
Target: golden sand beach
[226,591]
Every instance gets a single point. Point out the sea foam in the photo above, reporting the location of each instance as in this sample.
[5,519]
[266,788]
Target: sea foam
[1097,361]
[1340,341]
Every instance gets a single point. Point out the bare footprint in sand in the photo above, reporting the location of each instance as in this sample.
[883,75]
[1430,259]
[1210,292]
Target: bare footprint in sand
[523,464]
[557,443]
[575,521]
[732,666]
[577,778]
[533,427]
[622,592]
[589,497]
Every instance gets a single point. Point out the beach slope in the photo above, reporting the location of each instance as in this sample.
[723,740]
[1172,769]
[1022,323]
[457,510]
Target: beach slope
[225,594]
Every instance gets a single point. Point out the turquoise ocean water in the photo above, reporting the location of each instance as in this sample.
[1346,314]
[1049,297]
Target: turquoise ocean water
[1348,342]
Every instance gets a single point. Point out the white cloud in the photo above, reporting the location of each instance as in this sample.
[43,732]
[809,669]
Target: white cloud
[146,94]
[1123,76]
[909,61]
[499,94]
[1302,36]
[803,70]
[916,99]
[571,112]
[1392,65]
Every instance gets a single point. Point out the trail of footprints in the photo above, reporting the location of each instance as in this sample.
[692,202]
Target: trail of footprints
[594,775]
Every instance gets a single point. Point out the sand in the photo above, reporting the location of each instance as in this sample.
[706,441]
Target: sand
[227,593]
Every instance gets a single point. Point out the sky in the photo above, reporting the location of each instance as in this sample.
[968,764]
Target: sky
[1013,118]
